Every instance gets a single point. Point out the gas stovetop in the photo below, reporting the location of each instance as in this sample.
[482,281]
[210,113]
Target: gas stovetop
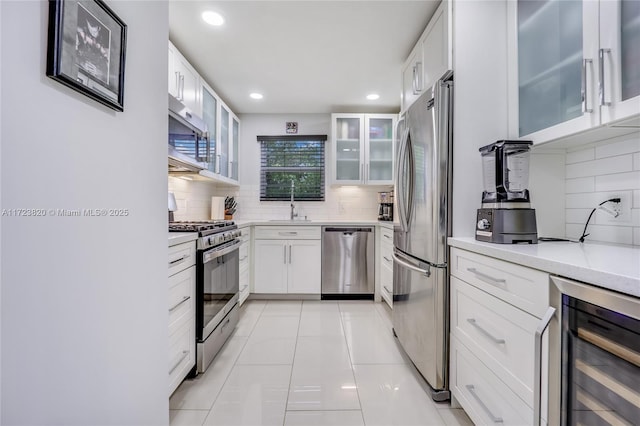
[205,227]
[211,233]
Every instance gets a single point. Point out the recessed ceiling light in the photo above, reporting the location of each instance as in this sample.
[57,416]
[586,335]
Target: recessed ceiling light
[373,96]
[212,18]
[256,95]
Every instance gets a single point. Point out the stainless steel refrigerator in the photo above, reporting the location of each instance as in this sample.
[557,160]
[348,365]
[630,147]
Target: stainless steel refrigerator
[423,195]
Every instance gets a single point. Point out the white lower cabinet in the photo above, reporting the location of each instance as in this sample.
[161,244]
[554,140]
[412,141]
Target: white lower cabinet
[181,307]
[386,265]
[495,310]
[481,393]
[287,260]
[245,265]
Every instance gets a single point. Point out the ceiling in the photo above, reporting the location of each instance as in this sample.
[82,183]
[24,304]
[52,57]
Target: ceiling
[303,56]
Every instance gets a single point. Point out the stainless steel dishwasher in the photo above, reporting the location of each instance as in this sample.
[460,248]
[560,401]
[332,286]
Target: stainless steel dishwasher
[347,262]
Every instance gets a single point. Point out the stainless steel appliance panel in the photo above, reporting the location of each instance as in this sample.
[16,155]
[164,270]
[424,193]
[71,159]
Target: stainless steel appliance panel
[423,189]
[609,334]
[220,284]
[419,316]
[348,260]
[424,177]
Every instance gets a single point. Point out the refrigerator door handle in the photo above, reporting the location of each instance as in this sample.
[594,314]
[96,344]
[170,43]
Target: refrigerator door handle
[404,263]
[399,179]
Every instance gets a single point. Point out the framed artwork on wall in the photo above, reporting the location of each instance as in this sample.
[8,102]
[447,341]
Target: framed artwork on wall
[86,49]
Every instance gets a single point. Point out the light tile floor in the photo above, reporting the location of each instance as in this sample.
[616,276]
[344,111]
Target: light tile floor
[298,363]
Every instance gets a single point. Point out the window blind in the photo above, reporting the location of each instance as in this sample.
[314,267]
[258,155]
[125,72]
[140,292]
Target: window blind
[299,158]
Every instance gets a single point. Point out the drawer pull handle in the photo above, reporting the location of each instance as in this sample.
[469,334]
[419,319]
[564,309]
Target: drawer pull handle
[472,391]
[178,260]
[288,233]
[387,237]
[485,277]
[174,307]
[184,355]
[474,323]
[386,258]
[387,289]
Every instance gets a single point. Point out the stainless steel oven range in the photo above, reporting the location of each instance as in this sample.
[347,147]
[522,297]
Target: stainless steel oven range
[594,356]
[217,285]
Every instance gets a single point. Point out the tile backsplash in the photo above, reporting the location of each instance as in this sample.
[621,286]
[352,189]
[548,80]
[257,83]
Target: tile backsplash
[341,203]
[193,197]
[604,170]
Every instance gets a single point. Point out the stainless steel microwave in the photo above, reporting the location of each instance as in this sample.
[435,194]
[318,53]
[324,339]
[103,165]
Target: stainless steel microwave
[189,147]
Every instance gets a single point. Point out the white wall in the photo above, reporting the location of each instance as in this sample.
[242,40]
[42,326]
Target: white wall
[84,299]
[596,173]
[341,203]
[193,197]
[480,100]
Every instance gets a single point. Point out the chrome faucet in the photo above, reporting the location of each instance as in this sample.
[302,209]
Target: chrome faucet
[293,206]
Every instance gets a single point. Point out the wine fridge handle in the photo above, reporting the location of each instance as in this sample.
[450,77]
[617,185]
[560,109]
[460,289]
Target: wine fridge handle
[537,391]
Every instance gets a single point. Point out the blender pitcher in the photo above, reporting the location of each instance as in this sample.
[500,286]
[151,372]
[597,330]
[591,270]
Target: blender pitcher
[505,169]
[506,216]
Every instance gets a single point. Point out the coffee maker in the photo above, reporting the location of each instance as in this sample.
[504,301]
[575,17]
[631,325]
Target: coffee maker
[385,208]
[506,216]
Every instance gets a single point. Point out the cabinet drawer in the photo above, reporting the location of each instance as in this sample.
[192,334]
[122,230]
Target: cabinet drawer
[245,234]
[287,232]
[181,298]
[386,235]
[181,256]
[385,255]
[499,334]
[386,283]
[182,355]
[243,253]
[526,288]
[484,397]
[244,278]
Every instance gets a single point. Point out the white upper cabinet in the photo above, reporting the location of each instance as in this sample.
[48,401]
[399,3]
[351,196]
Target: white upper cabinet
[412,82]
[223,125]
[430,57]
[184,81]
[363,148]
[620,53]
[435,46]
[572,67]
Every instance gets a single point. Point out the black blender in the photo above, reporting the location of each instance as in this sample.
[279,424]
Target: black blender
[506,216]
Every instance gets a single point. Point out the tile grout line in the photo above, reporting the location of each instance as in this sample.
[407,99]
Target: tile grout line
[295,349]
[353,372]
[233,366]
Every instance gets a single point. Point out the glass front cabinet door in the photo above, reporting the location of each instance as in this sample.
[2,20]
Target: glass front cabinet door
[363,148]
[209,115]
[578,65]
[619,59]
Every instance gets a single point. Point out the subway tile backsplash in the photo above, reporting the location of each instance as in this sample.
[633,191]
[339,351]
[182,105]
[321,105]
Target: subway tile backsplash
[341,203]
[594,174]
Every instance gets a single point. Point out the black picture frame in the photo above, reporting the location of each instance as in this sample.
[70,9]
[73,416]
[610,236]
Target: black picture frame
[86,49]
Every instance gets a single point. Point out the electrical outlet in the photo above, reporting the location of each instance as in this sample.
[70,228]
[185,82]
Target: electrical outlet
[622,209]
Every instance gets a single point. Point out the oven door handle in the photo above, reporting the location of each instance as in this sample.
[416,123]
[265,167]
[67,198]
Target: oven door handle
[537,390]
[218,252]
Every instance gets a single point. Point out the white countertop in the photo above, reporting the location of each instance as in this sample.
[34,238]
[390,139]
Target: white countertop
[615,267]
[258,222]
[181,237]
